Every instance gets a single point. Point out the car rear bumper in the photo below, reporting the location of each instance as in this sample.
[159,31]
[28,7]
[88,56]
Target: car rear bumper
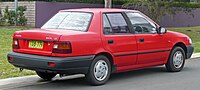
[190,50]
[66,65]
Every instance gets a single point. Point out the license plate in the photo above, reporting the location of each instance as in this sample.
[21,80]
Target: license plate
[36,44]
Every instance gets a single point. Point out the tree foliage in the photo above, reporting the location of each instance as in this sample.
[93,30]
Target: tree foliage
[1,17]
[21,19]
[8,17]
[155,9]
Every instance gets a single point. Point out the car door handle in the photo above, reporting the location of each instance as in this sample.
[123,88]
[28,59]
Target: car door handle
[110,41]
[141,39]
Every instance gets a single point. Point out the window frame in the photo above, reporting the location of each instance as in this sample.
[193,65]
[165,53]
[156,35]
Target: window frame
[146,18]
[124,17]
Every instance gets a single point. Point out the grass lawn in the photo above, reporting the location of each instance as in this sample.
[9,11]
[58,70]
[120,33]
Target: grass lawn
[7,70]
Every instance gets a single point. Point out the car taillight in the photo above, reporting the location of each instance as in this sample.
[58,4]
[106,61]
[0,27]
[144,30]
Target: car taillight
[15,44]
[10,58]
[62,47]
[51,64]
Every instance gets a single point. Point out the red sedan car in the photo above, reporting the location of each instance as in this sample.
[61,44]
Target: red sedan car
[98,42]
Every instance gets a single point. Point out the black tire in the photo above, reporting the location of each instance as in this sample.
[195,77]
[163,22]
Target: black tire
[46,76]
[170,66]
[90,76]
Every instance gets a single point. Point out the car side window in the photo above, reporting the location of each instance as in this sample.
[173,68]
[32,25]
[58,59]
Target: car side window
[141,25]
[106,25]
[114,23]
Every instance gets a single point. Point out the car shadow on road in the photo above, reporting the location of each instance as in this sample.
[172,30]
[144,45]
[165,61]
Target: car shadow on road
[114,77]
[130,76]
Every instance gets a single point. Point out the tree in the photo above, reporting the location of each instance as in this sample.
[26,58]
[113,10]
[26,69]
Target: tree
[108,3]
[156,9]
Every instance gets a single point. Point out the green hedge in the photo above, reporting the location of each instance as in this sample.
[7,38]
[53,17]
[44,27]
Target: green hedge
[186,4]
[172,4]
[70,1]
[121,2]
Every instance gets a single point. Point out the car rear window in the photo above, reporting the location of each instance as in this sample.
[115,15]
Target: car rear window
[78,21]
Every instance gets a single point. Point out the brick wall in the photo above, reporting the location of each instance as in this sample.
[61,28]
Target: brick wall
[29,13]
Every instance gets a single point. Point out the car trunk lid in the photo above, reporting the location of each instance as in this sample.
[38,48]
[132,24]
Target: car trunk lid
[38,41]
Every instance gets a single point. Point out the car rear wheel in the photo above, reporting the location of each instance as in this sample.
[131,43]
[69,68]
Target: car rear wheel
[46,76]
[99,71]
[176,60]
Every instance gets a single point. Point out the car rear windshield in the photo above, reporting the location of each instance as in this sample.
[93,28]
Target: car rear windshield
[78,21]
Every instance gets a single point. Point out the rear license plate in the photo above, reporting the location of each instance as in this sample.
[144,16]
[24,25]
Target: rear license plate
[36,44]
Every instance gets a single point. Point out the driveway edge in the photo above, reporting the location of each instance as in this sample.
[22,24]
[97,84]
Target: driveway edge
[195,55]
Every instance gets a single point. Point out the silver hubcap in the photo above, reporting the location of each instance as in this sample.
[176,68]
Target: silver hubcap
[100,70]
[178,59]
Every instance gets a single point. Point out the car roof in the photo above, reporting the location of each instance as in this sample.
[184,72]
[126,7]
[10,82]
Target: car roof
[97,10]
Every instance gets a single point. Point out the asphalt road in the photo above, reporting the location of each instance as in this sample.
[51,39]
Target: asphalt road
[155,78]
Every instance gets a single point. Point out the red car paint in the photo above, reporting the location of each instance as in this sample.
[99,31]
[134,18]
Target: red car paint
[127,51]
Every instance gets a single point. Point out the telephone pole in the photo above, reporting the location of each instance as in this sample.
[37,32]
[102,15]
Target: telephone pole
[16,5]
[108,3]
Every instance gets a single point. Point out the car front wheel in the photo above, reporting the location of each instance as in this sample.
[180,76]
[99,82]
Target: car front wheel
[176,60]
[99,71]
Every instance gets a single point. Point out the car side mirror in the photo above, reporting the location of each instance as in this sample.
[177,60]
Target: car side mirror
[162,30]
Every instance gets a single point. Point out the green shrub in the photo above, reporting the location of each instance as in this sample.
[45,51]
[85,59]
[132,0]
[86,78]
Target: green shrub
[21,19]
[186,4]
[9,16]
[173,4]
[1,18]
[156,9]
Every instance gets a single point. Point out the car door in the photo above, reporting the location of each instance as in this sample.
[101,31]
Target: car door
[152,47]
[118,40]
